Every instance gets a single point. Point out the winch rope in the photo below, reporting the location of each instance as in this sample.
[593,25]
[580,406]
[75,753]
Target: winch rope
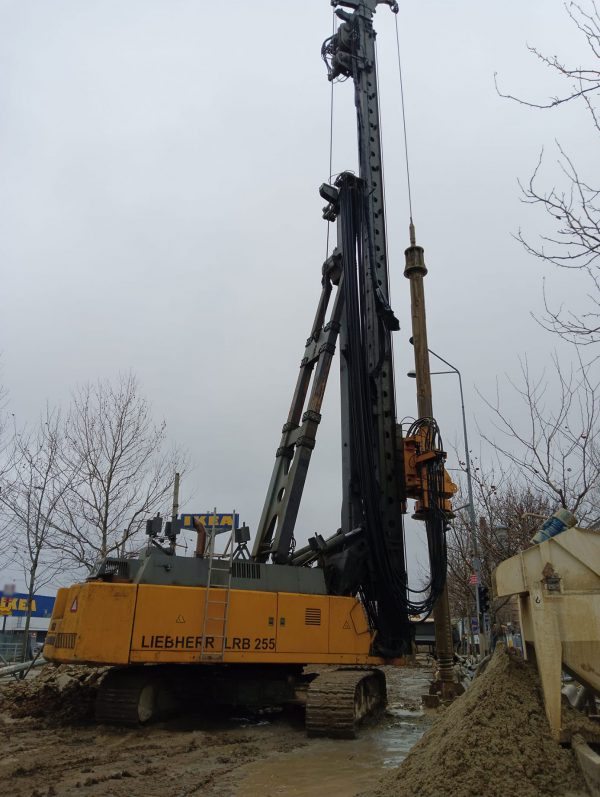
[402,104]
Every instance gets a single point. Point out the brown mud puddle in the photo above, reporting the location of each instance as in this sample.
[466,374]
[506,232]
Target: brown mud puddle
[342,768]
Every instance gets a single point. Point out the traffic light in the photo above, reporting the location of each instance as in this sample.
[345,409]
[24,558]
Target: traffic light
[484,599]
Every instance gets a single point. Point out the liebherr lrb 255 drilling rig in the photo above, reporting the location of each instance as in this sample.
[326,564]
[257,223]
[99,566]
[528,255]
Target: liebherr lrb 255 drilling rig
[240,630]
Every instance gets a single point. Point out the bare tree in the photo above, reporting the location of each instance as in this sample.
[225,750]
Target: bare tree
[509,510]
[6,450]
[556,447]
[6,460]
[572,206]
[31,495]
[124,473]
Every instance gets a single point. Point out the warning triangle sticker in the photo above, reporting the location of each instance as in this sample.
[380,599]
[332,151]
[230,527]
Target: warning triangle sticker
[346,625]
[74,605]
[180,619]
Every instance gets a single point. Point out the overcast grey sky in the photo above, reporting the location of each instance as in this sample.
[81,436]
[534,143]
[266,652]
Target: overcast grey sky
[159,167]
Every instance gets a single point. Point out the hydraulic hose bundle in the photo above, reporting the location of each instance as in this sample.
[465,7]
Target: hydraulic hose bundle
[385,591]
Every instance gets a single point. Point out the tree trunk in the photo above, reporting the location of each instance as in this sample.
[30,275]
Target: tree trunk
[30,592]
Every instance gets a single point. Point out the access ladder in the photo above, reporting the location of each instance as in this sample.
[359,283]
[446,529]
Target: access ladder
[216,602]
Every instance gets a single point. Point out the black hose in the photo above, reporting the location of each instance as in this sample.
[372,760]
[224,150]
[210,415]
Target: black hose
[386,581]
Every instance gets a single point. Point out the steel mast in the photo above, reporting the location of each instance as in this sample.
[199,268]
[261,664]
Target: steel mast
[380,469]
[351,53]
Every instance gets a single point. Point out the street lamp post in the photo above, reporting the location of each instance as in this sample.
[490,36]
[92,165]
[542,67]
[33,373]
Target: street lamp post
[471,506]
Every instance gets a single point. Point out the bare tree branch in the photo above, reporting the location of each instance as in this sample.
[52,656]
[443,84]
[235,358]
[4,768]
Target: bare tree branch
[574,208]
[507,508]
[123,471]
[556,448]
[31,493]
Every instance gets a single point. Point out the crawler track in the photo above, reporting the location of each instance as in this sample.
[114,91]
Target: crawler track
[127,697]
[338,700]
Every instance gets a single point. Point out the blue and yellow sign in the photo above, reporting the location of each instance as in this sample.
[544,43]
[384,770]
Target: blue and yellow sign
[17,604]
[212,521]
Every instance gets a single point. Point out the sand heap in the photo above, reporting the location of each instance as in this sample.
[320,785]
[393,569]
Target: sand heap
[492,742]
[59,694]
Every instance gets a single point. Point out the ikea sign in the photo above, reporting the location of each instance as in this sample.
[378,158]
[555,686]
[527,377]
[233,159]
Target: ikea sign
[212,521]
[17,605]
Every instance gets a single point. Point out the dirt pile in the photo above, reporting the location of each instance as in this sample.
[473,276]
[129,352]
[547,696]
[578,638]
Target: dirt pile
[492,741]
[60,694]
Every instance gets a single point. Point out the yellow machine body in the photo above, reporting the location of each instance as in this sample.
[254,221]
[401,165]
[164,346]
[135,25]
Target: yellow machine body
[123,623]
[558,587]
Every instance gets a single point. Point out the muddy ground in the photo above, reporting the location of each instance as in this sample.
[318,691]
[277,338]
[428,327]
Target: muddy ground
[217,755]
